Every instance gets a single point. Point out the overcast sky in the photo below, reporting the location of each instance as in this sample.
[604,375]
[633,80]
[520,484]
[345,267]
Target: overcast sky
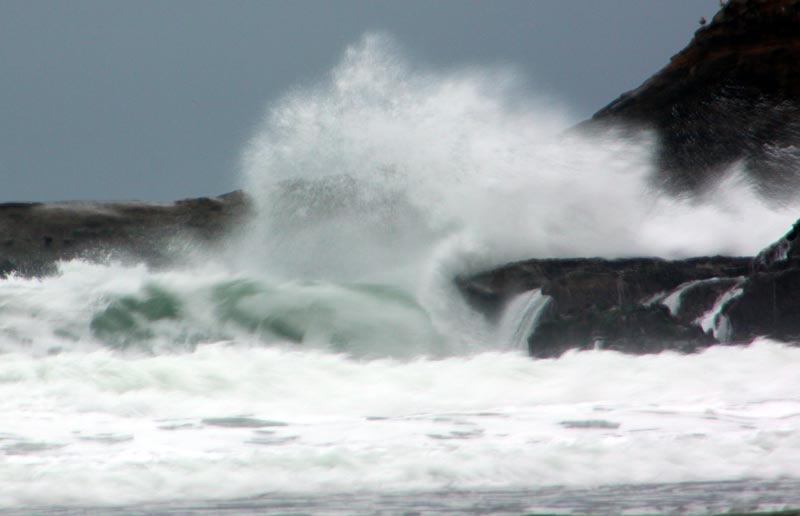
[154,100]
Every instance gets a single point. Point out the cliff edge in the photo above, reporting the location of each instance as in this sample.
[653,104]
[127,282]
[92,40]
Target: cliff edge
[733,94]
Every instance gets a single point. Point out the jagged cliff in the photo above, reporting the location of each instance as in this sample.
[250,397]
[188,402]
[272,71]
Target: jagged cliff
[646,305]
[732,94]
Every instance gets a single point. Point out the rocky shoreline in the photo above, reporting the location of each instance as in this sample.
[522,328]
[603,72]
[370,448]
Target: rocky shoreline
[648,305]
[733,95]
[34,236]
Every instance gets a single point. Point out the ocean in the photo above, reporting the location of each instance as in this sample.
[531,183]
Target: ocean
[323,362]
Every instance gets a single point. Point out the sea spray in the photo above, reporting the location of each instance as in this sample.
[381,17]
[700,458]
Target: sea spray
[394,173]
[328,349]
[104,428]
[382,160]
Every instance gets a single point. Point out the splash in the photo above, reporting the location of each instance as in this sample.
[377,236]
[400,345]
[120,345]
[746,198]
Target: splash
[377,168]
[374,188]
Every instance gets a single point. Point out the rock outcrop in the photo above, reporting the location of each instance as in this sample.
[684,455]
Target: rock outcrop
[581,283]
[650,305]
[33,236]
[733,94]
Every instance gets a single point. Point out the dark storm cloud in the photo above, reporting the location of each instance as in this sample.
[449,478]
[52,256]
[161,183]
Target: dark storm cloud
[153,100]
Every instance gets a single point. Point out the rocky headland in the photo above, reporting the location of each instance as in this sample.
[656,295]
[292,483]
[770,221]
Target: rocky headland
[34,236]
[732,96]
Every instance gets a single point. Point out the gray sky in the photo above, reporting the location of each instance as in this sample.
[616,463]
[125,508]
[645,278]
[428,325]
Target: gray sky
[154,100]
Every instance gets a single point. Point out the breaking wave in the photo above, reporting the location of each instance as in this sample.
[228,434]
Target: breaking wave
[327,347]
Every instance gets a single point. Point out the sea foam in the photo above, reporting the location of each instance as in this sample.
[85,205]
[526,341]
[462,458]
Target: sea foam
[328,349]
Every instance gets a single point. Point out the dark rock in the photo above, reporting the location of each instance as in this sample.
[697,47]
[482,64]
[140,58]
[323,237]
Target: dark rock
[732,94]
[630,329]
[768,306]
[580,283]
[648,305]
[696,298]
[769,303]
[34,236]
[783,254]
[6,267]
[614,304]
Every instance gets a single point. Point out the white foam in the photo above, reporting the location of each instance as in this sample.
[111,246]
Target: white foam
[490,420]
[399,179]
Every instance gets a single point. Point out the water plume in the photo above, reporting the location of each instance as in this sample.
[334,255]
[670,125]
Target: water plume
[374,170]
[330,351]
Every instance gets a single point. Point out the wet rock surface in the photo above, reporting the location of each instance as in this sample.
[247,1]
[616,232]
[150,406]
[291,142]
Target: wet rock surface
[578,284]
[768,306]
[34,236]
[649,305]
[629,329]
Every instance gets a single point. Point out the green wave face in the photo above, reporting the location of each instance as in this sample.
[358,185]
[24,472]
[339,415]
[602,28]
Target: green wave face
[361,320]
[127,320]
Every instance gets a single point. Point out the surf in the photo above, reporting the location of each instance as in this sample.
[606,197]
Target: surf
[325,348]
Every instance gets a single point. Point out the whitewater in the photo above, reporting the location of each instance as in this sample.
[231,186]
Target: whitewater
[323,362]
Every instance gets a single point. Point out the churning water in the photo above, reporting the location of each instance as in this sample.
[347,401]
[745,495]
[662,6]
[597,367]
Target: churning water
[325,360]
